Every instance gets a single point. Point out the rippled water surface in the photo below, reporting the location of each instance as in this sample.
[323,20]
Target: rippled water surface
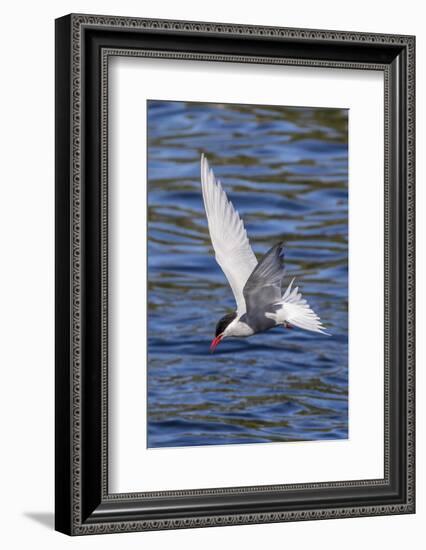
[286,171]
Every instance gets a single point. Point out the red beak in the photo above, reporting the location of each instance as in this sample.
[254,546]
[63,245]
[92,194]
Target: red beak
[215,342]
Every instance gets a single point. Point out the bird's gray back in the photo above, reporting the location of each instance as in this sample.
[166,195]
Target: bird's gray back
[257,321]
[263,288]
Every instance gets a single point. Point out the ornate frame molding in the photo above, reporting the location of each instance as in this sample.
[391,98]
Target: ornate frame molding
[72,47]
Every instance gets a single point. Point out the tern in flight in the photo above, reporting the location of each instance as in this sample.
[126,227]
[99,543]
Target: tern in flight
[257,286]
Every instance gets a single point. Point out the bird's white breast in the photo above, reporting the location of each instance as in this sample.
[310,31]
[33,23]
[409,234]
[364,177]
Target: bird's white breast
[238,329]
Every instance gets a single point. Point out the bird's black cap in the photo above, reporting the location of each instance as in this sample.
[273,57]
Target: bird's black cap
[224,322]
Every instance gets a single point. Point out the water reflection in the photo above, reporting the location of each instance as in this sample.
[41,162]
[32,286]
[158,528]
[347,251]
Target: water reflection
[286,171]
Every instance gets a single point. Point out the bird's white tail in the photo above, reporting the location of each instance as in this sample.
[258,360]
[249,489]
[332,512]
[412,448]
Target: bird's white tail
[296,311]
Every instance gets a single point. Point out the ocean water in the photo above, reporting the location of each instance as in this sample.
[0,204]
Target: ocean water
[286,172]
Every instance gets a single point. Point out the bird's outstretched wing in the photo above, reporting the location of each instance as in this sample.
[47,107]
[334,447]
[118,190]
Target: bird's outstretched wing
[229,238]
[263,287]
[263,291]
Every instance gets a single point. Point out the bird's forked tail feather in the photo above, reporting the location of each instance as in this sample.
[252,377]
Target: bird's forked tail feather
[295,310]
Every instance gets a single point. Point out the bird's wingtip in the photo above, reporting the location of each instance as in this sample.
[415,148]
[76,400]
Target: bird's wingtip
[280,246]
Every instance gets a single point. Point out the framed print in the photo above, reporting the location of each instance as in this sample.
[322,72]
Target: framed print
[234,274]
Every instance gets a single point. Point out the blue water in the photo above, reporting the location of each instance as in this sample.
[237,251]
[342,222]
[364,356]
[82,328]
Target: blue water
[286,171]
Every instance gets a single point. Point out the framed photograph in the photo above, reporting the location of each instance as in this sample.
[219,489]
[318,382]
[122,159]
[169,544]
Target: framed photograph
[234,274]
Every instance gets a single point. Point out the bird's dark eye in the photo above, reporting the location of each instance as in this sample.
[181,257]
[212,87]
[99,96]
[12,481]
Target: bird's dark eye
[224,322]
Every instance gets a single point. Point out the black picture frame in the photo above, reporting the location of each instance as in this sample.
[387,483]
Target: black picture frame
[83,45]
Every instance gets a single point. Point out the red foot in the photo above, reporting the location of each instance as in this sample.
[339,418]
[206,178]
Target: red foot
[287,325]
